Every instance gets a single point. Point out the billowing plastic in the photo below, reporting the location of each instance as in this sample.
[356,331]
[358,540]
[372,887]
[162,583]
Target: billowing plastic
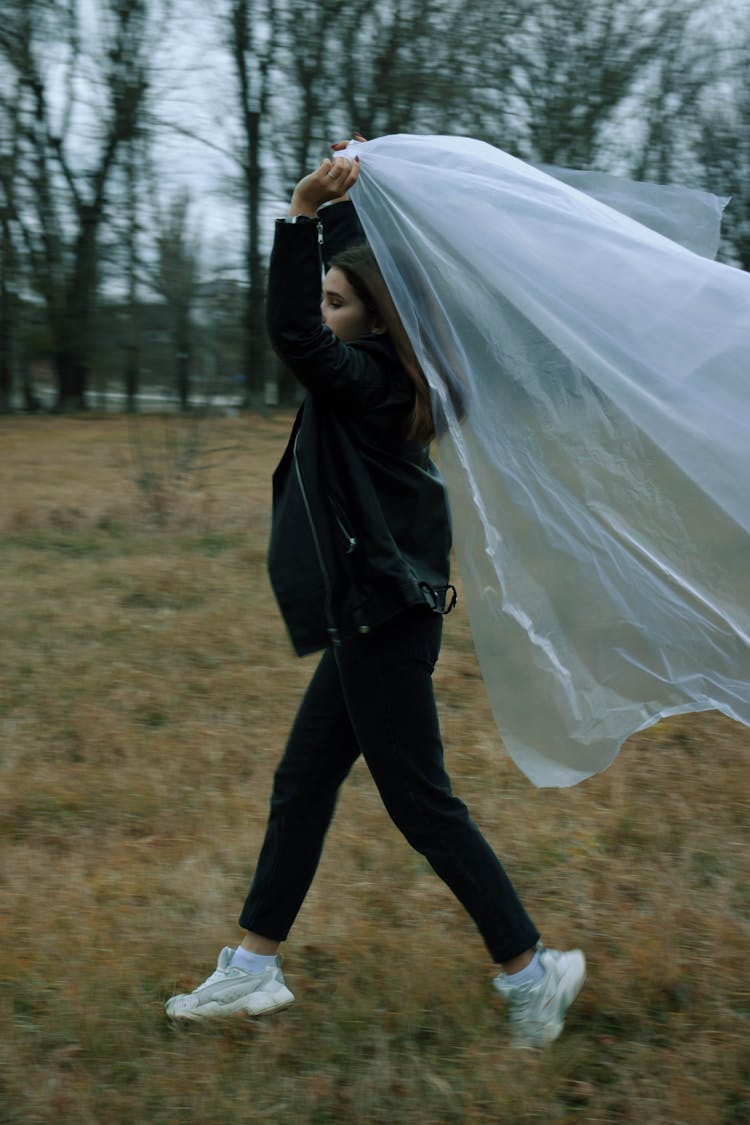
[593,381]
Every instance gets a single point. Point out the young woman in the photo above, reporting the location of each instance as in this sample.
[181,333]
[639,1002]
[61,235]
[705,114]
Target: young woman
[359,563]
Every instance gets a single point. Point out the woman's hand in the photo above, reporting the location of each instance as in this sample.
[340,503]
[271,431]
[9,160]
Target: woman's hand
[330,181]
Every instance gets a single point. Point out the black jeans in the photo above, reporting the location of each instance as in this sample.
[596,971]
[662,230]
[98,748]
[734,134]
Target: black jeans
[373,695]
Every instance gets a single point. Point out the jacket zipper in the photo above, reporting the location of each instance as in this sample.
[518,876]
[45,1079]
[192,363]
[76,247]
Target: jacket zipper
[320,254]
[351,540]
[331,628]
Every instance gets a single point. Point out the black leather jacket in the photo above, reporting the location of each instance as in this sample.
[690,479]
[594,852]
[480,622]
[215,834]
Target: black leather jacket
[361,528]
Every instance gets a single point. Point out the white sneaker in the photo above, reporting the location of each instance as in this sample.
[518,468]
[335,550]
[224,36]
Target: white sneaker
[229,990]
[537,1011]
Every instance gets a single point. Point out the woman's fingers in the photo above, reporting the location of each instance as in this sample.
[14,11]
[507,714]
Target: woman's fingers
[342,174]
[343,144]
[353,172]
[341,166]
[346,175]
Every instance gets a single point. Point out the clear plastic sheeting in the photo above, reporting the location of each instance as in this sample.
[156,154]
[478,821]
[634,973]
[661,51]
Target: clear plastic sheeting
[690,217]
[592,380]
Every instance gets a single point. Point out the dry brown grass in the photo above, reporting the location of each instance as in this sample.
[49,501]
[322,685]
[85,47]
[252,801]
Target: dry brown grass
[147,686]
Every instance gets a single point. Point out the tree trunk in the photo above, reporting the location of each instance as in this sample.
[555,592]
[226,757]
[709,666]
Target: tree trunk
[31,403]
[253,98]
[131,377]
[255,319]
[255,334]
[131,371]
[183,379]
[71,381]
[6,347]
[79,302]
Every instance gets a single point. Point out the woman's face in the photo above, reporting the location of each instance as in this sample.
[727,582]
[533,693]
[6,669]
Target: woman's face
[342,310]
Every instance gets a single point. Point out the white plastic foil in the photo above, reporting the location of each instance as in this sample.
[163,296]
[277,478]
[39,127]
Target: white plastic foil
[593,381]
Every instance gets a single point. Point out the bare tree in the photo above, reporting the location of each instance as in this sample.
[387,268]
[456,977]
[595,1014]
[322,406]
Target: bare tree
[64,195]
[304,33]
[688,64]
[131,358]
[7,305]
[176,278]
[401,66]
[9,249]
[415,65]
[724,148]
[252,31]
[544,81]
[577,66]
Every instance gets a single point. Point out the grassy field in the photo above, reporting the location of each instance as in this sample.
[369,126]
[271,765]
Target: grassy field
[146,687]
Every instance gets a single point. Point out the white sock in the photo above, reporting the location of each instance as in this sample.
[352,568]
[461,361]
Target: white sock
[530,974]
[251,962]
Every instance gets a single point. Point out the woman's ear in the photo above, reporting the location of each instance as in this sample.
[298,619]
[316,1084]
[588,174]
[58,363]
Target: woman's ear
[378,328]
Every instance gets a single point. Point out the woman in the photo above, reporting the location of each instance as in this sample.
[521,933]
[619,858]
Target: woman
[359,562]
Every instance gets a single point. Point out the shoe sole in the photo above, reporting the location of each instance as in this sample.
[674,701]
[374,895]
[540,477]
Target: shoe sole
[215,1012]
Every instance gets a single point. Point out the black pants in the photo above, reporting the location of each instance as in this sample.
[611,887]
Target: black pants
[372,695]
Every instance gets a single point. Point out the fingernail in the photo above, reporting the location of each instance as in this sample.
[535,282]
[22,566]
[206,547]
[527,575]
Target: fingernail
[356,160]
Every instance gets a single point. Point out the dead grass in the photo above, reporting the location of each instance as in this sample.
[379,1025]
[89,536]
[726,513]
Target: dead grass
[146,690]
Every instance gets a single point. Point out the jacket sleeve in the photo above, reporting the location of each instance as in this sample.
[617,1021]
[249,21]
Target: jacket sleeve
[341,228]
[354,376]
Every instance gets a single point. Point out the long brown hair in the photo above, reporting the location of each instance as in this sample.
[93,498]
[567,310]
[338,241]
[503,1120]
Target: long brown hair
[361,270]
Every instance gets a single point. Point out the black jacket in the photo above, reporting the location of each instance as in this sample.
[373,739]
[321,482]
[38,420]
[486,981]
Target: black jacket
[361,528]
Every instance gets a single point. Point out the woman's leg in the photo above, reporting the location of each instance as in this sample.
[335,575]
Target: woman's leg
[386,678]
[319,754]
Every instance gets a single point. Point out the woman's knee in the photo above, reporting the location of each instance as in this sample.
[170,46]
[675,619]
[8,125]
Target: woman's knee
[426,824]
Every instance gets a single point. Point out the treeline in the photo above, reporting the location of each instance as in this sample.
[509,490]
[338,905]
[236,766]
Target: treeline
[100,272]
